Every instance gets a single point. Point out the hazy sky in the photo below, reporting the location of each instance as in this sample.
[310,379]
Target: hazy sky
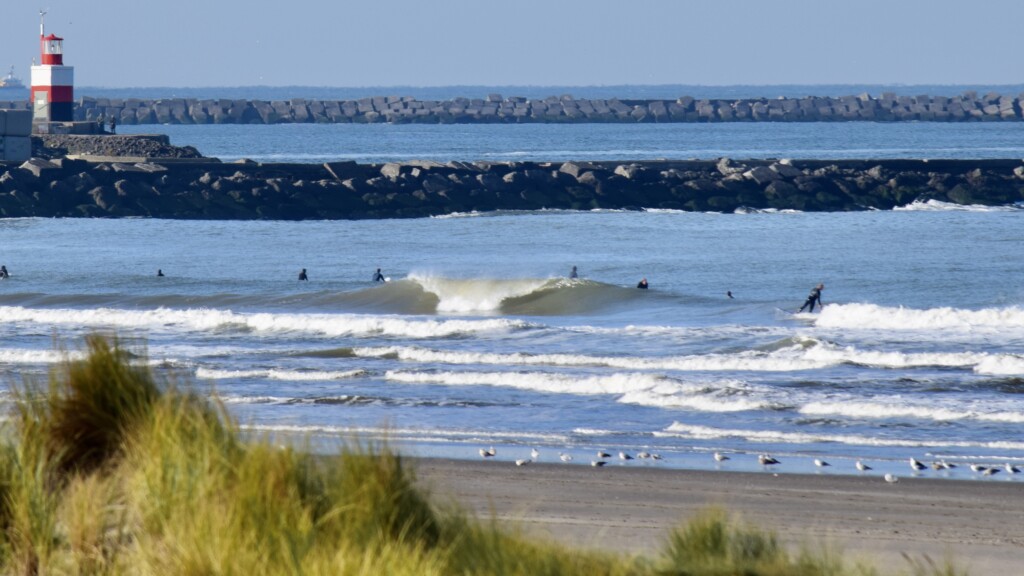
[117,43]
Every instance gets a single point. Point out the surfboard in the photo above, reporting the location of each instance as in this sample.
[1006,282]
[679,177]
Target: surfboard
[387,278]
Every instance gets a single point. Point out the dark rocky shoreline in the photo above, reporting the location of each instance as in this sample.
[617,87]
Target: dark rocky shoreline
[887,107]
[183,186]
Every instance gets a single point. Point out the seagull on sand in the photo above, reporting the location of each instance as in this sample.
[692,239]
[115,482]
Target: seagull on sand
[488,452]
[565,457]
[820,463]
[523,461]
[767,460]
[978,468]
[534,454]
[719,457]
[656,456]
[624,456]
[990,471]
[597,463]
[1011,469]
[891,479]
[862,466]
[643,455]
[603,454]
[915,465]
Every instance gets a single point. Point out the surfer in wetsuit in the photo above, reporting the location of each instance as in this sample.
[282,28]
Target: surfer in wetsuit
[813,298]
[159,272]
[729,294]
[302,275]
[378,277]
[643,284]
[4,273]
[574,274]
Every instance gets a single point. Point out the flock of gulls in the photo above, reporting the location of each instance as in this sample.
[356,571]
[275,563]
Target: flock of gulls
[766,461]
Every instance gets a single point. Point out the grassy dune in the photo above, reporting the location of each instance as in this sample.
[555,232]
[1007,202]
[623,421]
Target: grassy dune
[105,470]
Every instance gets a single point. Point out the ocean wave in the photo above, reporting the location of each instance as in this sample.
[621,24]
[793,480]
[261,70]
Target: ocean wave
[273,374]
[1001,365]
[690,431]
[641,389]
[20,356]
[940,206]
[897,408]
[872,316]
[781,361]
[409,434]
[212,320]
[793,355]
[520,296]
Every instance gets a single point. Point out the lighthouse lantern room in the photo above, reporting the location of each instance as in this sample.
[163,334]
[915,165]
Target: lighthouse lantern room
[53,91]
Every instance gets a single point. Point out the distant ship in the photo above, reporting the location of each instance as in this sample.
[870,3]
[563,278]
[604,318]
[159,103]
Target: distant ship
[10,82]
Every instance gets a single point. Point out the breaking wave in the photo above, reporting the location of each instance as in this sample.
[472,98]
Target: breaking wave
[872,316]
[789,355]
[690,431]
[642,389]
[213,320]
[288,375]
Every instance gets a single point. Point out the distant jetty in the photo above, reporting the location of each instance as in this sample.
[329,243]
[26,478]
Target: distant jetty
[496,109]
[144,176]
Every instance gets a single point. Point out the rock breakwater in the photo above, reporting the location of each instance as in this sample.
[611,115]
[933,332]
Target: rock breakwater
[205,189]
[887,107]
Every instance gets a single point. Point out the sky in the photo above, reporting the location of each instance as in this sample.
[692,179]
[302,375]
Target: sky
[194,43]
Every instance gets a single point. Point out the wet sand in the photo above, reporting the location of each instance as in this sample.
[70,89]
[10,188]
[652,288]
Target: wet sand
[978,523]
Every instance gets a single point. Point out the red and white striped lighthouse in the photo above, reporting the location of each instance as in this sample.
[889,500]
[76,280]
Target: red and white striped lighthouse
[53,91]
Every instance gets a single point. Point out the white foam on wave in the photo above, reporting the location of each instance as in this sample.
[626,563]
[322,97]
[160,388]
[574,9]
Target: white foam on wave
[872,316]
[413,434]
[1001,365]
[273,374]
[807,354]
[897,408]
[23,356]
[691,431]
[460,295]
[642,389]
[940,206]
[776,361]
[204,320]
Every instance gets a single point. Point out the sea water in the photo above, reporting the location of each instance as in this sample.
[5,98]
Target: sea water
[480,338]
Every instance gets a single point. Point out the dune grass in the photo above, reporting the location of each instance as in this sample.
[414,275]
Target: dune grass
[107,471]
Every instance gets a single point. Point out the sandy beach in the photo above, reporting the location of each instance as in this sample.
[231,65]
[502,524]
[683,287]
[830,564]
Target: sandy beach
[978,523]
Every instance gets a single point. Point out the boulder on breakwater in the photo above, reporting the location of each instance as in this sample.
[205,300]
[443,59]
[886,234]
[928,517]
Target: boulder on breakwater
[198,188]
[887,107]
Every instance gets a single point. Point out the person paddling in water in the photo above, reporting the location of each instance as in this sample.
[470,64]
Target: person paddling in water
[3,272]
[303,276]
[813,298]
[643,284]
[574,273]
[379,277]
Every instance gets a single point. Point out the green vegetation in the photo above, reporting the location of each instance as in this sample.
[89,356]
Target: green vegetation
[107,471]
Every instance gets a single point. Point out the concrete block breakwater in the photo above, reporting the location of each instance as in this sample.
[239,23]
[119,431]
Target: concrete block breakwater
[205,189]
[887,107]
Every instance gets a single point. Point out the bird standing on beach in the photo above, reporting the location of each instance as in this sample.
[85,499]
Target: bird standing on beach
[862,466]
[1011,469]
[643,455]
[915,465]
[597,463]
[535,454]
[488,452]
[603,454]
[766,460]
[891,479]
[978,468]
[624,456]
[565,457]
[820,463]
[523,461]
[719,457]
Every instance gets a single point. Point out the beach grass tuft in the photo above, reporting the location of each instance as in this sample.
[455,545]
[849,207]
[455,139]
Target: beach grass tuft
[106,470]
